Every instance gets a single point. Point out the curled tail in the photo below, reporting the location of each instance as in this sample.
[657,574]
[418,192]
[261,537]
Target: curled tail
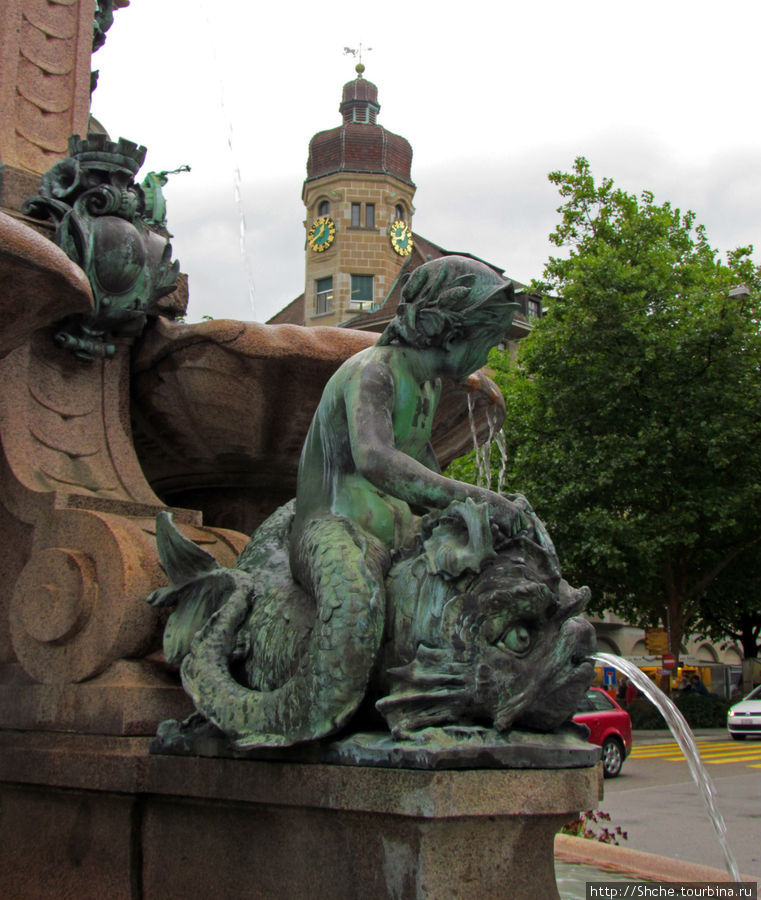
[344,570]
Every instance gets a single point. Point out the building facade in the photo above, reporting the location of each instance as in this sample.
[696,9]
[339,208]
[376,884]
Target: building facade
[358,196]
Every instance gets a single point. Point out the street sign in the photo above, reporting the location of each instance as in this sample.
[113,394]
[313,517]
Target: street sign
[656,640]
[668,661]
[609,676]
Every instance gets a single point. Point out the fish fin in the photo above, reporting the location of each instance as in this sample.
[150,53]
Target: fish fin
[181,558]
[198,601]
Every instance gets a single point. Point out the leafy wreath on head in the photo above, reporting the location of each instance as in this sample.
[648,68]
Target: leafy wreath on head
[439,308]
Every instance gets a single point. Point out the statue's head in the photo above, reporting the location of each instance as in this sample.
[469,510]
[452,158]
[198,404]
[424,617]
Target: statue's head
[449,301]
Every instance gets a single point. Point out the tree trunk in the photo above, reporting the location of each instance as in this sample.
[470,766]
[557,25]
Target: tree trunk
[675,602]
[675,605]
[749,637]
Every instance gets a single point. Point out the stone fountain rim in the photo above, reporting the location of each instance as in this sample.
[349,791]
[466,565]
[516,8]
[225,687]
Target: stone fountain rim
[637,863]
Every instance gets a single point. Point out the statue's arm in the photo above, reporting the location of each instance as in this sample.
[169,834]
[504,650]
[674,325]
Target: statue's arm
[430,460]
[369,405]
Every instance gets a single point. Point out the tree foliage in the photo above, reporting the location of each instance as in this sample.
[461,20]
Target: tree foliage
[634,416]
[731,607]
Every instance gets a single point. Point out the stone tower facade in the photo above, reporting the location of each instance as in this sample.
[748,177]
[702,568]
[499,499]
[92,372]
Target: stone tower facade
[358,196]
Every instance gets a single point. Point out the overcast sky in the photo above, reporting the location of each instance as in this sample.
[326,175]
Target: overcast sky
[657,95]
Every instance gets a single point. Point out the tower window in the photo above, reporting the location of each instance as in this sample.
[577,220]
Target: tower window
[399,212]
[533,308]
[365,114]
[356,215]
[324,208]
[323,301]
[361,290]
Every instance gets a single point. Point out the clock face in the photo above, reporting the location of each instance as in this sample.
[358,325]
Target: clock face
[321,234]
[401,238]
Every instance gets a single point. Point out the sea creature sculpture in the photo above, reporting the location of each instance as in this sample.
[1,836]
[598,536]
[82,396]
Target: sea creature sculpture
[385,582]
[475,628]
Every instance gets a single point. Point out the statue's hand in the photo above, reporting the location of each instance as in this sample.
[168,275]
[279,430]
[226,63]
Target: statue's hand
[535,528]
[510,517]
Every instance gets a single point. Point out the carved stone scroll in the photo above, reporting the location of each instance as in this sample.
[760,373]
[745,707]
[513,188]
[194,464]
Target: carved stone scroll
[76,512]
[76,606]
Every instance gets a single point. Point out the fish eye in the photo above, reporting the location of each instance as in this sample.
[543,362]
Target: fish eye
[516,639]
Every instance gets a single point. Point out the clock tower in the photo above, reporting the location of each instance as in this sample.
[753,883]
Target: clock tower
[358,197]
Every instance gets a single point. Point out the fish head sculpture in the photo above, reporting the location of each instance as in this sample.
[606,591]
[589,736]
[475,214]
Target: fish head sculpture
[510,650]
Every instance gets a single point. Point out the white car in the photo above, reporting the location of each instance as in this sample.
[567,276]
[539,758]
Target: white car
[744,718]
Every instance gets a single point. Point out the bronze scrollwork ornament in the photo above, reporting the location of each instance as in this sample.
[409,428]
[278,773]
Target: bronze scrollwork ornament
[102,224]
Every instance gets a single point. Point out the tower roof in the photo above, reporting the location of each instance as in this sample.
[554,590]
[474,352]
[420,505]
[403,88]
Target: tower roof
[359,101]
[360,144]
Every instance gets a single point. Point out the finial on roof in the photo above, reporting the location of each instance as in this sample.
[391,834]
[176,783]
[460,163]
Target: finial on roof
[359,68]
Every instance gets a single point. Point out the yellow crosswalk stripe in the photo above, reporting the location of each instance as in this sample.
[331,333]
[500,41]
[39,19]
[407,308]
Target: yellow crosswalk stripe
[724,748]
[708,745]
[717,748]
[733,752]
[731,759]
[652,749]
[711,752]
[709,757]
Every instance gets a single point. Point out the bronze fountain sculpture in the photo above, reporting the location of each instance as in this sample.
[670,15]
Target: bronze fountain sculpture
[385,591]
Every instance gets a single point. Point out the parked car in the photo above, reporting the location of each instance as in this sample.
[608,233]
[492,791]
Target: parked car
[744,718]
[609,726]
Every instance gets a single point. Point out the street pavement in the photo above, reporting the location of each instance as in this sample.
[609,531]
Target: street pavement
[656,801]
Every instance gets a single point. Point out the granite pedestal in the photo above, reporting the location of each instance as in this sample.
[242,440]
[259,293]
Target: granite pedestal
[88,816]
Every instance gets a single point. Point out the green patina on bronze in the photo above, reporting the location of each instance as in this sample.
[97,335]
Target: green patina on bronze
[104,224]
[384,589]
[154,202]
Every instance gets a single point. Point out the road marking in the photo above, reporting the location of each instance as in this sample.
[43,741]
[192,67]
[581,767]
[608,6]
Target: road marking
[711,752]
[731,759]
[660,749]
[672,745]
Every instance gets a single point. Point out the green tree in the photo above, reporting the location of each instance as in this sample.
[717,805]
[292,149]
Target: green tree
[634,416]
[731,608]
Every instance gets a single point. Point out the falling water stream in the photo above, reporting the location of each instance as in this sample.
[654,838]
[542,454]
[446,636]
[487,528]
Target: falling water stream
[482,450]
[237,179]
[686,740]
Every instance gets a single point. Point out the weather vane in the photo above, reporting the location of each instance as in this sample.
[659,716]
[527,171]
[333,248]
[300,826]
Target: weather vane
[358,53]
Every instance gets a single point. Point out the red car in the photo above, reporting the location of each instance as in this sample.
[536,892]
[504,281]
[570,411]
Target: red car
[609,726]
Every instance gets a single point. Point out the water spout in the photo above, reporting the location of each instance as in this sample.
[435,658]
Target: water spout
[237,178]
[686,740]
[499,440]
[482,451]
